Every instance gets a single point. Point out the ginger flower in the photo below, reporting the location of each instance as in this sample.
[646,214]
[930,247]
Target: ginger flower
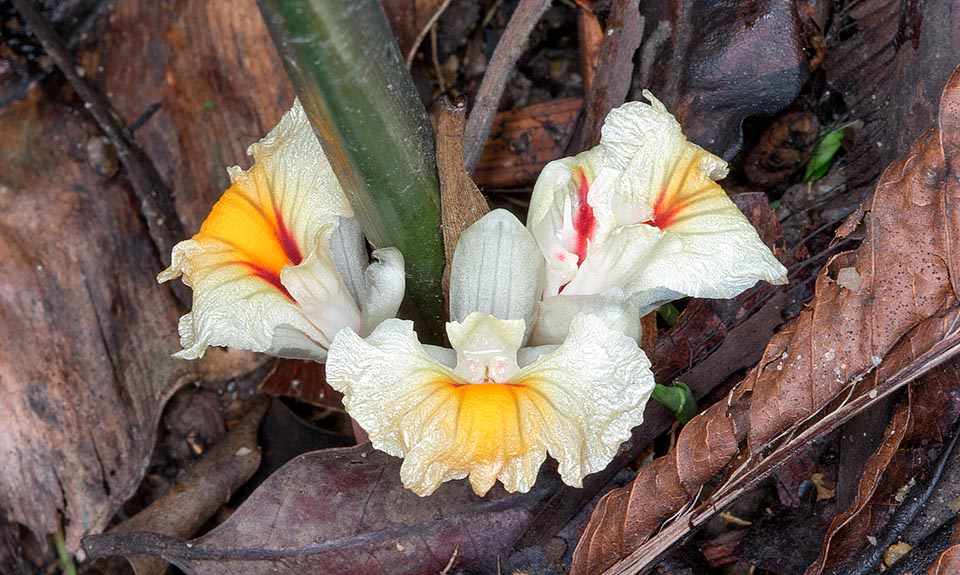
[279,266]
[641,215]
[491,409]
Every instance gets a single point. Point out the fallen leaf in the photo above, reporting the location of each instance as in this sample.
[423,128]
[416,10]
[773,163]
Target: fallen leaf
[360,518]
[304,381]
[889,60]
[408,18]
[87,368]
[714,65]
[522,141]
[914,435]
[900,324]
[948,562]
[895,552]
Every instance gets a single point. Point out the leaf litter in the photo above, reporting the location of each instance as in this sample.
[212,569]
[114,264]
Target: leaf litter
[705,322]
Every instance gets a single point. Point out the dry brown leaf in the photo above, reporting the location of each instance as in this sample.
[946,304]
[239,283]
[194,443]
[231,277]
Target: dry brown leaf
[344,511]
[408,18]
[889,62]
[304,381]
[915,433]
[461,202]
[86,366]
[522,141]
[948,563]
[841,348]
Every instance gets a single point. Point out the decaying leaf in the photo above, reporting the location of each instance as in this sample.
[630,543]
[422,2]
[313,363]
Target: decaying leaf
[86,366]
[736,63]
[889,60]
[523,141]
[949,561]
[844,352]
[360,518]
[916,432]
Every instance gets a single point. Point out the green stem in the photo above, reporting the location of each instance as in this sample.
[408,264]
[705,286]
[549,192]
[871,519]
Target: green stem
[67,565]
[348,72]
[677,398]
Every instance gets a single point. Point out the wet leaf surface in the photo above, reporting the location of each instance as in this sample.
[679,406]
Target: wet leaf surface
[362,520]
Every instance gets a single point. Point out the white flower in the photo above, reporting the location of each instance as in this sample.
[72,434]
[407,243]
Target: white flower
[489,409]
[278,265]
[642,213]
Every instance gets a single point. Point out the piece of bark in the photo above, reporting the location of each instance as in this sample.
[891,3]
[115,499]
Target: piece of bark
[614,71]
[87,369]
[590,41]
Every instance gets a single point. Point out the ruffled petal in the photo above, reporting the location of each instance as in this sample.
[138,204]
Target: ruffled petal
[266,238]
[660,225]
[578,401]
[497,269]
[232,307]
[585,398]
[384,282]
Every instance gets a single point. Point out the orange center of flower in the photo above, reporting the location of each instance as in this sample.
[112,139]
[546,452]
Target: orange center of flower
[494,421]
[257,233]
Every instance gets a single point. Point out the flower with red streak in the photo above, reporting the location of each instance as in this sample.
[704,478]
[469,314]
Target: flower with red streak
[641,220]
[278,265]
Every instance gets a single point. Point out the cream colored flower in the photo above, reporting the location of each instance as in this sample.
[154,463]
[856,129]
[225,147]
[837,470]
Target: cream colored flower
[642,213]
[489,409]
[279,266]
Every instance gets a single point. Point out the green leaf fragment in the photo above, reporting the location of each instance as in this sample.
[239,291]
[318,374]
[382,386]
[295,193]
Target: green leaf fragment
[677,398]
[823,156]
[669,313]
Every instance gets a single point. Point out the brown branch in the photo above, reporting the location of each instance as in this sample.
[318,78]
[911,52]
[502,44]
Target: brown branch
[426,30]
[501,66]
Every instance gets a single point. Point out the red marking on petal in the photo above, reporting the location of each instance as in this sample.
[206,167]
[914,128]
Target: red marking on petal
[270,277]
[287,242]
[584,222]
[664,212]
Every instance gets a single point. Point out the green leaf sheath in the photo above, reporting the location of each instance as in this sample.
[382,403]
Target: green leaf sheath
[347,70]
